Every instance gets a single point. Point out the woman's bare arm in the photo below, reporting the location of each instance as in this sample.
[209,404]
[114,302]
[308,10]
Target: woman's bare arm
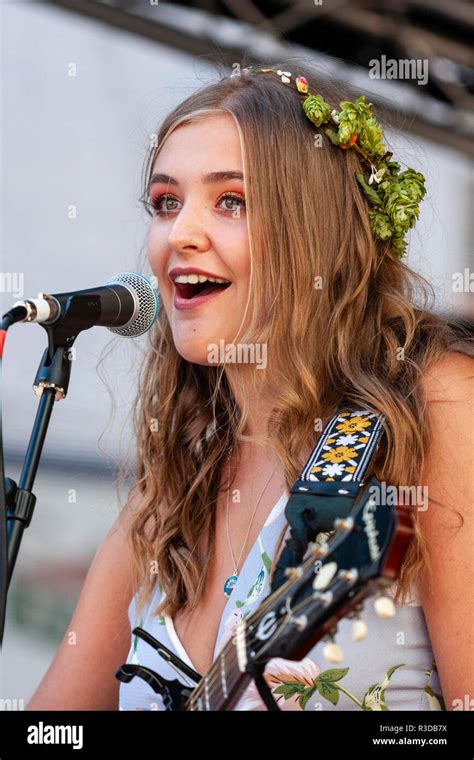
[449,471]
[97,641]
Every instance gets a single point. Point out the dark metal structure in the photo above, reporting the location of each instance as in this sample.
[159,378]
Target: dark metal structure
[345,34]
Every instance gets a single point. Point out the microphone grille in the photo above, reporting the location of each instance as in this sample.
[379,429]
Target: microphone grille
[146,298]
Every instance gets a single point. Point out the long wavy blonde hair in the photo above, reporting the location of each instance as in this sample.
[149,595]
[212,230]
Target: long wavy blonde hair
[359,339]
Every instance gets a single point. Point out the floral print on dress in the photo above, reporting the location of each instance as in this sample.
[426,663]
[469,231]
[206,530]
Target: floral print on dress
[435,700]
[374,698]
[255,591]
[292,685]
[258,586]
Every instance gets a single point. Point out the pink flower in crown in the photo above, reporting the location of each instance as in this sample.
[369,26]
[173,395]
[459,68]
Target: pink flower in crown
[302,84]
[280,672]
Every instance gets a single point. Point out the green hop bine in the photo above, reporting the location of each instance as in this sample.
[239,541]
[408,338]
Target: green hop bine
[394,195]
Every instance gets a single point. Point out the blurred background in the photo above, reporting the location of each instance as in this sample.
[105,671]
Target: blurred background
[84,87]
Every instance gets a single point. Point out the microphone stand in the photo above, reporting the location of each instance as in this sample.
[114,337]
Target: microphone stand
[51,384]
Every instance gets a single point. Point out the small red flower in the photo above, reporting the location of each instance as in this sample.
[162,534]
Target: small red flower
[351,141]
[302,84]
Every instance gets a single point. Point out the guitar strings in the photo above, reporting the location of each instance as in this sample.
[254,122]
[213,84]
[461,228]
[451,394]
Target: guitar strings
[212,675]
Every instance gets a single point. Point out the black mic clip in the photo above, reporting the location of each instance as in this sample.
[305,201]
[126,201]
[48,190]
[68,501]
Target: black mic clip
[55,367]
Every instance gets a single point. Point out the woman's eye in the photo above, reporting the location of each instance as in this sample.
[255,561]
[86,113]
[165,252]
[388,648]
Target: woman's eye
[234,200]
[156,204]
[230,200]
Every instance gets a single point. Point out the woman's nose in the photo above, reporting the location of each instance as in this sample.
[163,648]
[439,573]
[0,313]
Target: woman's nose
[188,231]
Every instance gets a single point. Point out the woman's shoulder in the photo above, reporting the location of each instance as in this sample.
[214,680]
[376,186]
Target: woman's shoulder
[449,377]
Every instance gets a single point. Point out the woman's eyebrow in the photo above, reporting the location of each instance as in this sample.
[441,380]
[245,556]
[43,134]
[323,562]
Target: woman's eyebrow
[206,178]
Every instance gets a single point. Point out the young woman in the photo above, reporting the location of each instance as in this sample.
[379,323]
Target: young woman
[313,309]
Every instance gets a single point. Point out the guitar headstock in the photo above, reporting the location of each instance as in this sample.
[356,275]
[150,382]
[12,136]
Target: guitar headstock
[363,554]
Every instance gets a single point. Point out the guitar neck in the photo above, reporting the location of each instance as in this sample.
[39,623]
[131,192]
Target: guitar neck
[223,684]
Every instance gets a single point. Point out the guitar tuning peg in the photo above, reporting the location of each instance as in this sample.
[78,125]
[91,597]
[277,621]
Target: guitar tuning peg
[294,572]
[300,622]
[333,653]
[384,607]
[359,630]
[344,523]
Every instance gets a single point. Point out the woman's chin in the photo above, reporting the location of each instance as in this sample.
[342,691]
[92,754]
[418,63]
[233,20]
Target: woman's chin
[201,352]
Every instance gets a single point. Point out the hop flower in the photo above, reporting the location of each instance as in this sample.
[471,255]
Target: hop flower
[393,167]
[399,246]
[370,138]
[316,109]
[352,118]
[413,184]
[381,225]
[403,199]
[397,203]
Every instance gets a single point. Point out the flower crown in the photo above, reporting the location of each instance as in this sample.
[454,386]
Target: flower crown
[394,195]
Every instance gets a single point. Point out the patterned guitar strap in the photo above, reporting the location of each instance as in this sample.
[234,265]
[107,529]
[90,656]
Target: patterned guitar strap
[328,485]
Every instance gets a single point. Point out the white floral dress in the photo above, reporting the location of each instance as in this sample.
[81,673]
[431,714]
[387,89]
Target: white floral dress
[392,668]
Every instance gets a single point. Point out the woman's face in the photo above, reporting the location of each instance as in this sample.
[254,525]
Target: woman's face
[199,223]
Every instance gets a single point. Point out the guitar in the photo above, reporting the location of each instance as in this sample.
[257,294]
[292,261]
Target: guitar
[362,556]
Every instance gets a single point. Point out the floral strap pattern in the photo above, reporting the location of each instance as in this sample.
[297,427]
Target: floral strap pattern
[345,448]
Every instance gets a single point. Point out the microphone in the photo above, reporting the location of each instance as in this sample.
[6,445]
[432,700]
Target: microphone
[127,305]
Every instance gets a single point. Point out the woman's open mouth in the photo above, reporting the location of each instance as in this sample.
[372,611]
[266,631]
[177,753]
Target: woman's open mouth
[188,295]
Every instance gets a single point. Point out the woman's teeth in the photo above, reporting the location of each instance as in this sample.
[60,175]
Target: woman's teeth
[193,279]
[193,285]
